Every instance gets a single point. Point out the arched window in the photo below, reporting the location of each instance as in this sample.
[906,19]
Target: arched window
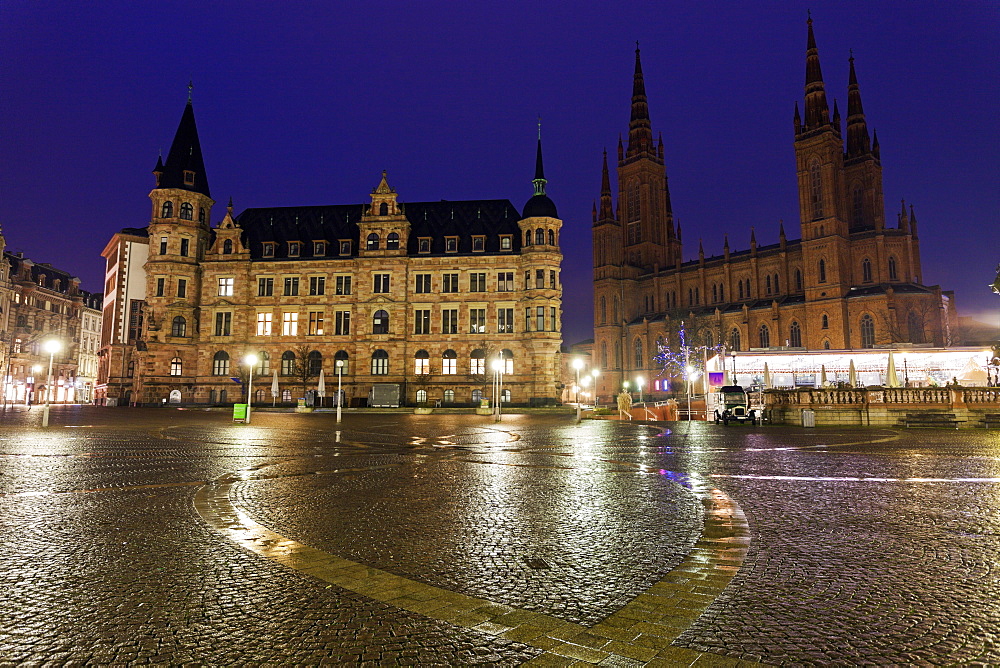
[263,363]
[372,241]
[722,292]
[632,202]
[798,280]
[822,271]
[288,366]
[826,344]
[866,271]
[227,246]
[715,293]
[527,237]
[422,364]
[380,363]
[748,288]
[392,241]
[201,214]
[867,331]
[764,335]
[734,339]
[380,322]
[604,311]
[505,396]
[340,360]
[539,237]
[449,396]
[615,311]
[618,354]
[477,362]
[167,210]
[449,362]
[816,189]
[639,357]
[858,205]
[179,326]
[777,288]
[286,395]
[176,366]
[709,339]
[892,269]
[220,364]
[421,396]
[767,285]
[187,211]
[508,360]
[315,361]
[825,322]
[795,335]
[383,209]
[552,238]
[604,354]
[477,396]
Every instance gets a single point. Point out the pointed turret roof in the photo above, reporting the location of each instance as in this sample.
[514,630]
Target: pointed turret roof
[185,156]
[539,204]
[640,132]
[817,110]
[606,208]
[858,142]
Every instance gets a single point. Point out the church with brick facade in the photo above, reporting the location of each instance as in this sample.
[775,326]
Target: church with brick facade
[850,281]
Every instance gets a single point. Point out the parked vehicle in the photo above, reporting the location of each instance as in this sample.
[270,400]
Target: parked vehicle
[731,403]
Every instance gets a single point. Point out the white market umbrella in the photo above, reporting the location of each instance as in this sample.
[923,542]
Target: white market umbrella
[891,379]
[274,387]
[852,375]
[321,385]
[767,377]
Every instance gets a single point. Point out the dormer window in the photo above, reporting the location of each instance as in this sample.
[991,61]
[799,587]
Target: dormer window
[478,244]
[268,249]
[373,241]
[41,280]
[227,246]
[167,210]
[345,247]
[319,248]
[188,178]
[451,244]
[392,241]
[187,211]
[505,242]
[293,249]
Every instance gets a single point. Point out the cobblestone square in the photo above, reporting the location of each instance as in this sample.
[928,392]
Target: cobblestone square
[172,536]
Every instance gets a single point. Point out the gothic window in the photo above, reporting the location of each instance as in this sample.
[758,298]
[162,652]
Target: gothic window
[709,339]
[825,321]
[632,202]
[539,237]
[618,354]
[179,326]
[892,269]
[380,363]
[167,210]
[798,280]
[795,335]
[634,234]
[777,290]
[748,288]
[604,311]
[734,339]
[639,359]
[227,246]
[392,241]
[826,344]
[176,366]
[739,284]
[615,311]
[220,364]
[765,337]
[315,362]
[380,322]
[383,209]
[767,284]
[715,293]
[822,271]
[340,361]
[604,354]
[552,238]
[867,331]
[288,363]
[866,271]
[187,211]
[816,189]
[372,241]
[858,205]
[722,292]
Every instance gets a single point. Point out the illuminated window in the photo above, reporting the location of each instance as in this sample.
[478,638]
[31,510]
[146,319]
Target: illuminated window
[392,241]
[288,366]
[449,362]
[421,363]
[176,366]
[226,287]
[380,363]
[220,364]
[178,327]
[289,324]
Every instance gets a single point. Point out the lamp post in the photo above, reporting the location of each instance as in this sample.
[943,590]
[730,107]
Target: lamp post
[498,372]
[639,382]
[251,361]
[339,365]
[577,365]
[52,346]
[595,373]
[35,370]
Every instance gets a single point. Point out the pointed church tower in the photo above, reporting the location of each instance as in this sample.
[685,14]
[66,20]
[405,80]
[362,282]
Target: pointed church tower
[649,240]
[862,168]
[607,232]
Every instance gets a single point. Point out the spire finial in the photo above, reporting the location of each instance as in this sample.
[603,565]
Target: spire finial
[539,127]
[190,88]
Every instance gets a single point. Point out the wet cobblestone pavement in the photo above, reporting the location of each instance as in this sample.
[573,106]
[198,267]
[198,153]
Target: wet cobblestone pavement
[168,537]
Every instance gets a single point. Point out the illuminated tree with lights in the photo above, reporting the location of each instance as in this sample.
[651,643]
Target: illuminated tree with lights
[678,363]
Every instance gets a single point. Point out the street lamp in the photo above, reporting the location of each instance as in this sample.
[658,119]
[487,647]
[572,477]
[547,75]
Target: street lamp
[498,400]
[251,361]
[35,370]
[52,346]
[577,365]
[639,382]
[339,365]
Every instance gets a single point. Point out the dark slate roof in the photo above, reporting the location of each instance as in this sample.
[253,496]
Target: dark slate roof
[538,206]
[436,220]
[185,155]
[94,300]
[882,288]
[51,273]
[135,231]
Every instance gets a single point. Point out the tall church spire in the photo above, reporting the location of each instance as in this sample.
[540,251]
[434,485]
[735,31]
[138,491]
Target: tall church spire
[640,132]
[539,180]
[185,167]
[606,210]
[817,110]
[858,142]
[539,204]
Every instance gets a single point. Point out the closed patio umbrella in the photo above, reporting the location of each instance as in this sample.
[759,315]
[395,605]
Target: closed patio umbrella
[321,385]
[822,375]
[891,379]
[852,375]
[274,388]
[767,377]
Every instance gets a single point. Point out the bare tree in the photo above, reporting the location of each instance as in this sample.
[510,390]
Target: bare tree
[484,377]
[302,369]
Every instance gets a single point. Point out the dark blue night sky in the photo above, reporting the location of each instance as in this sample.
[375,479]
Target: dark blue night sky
[306,103]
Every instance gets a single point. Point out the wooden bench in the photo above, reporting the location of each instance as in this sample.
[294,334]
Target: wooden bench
[931,420]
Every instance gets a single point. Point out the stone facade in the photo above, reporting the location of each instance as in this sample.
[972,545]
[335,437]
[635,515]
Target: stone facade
[423,295]
[848,282]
